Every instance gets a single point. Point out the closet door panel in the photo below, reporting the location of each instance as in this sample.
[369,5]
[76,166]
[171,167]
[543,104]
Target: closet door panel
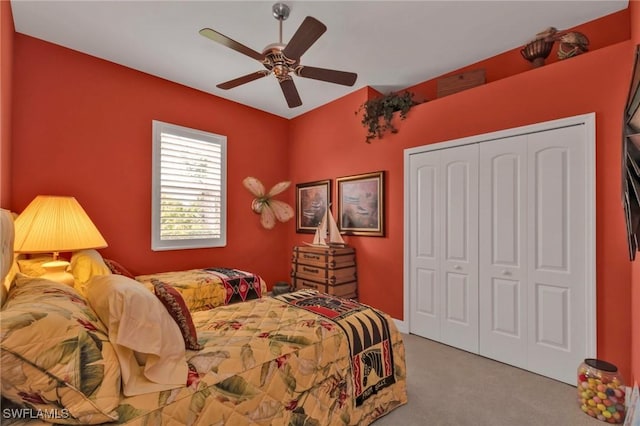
[556,251]
[425,245]
[502,230]
[459,239]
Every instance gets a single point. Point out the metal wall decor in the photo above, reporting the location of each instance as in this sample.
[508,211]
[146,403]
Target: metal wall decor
[631,161]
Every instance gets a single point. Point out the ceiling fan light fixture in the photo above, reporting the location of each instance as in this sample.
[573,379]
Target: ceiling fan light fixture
[283,60]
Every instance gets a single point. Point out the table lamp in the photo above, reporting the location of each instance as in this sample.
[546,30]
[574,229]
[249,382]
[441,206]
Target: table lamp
[54,224]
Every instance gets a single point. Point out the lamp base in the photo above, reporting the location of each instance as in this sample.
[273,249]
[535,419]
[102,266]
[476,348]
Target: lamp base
[57,271]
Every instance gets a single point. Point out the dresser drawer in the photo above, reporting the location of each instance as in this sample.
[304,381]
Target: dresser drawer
[347,290]
[324,275]
[324,257]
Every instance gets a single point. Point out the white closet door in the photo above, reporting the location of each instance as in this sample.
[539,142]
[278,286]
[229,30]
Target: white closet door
[424,251]
[503,250]
[459,237]
[500,245]
[557,330]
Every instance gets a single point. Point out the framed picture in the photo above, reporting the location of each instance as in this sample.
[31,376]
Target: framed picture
[361,204]
[312,199]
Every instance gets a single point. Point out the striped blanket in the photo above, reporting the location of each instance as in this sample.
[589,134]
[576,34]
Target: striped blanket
[368,334]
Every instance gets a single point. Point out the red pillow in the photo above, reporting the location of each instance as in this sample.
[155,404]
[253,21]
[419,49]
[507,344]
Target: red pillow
[173,301]
[117,268]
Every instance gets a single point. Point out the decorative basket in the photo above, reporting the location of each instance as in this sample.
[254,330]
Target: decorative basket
[537,51]
[281,287]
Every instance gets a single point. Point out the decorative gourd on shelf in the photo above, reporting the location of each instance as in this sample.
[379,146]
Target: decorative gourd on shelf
[538,49]
[377,113]
[572,44]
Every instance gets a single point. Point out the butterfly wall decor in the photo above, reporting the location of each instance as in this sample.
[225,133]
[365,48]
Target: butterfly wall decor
[269,209]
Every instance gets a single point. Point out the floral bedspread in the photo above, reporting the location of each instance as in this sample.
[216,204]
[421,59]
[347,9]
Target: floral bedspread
[267,362]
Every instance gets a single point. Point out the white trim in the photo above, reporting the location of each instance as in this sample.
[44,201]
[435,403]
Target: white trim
[402,326]
[589,121]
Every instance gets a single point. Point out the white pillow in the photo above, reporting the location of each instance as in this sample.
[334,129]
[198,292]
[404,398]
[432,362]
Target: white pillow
[86,264]
[139,327]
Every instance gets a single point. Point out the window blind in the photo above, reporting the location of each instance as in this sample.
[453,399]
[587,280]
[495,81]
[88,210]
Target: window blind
[190,179]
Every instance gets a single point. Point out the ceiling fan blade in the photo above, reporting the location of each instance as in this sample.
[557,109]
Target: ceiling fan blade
[226,41]
[290,92]
[331,76]
[242,80]
[309,31]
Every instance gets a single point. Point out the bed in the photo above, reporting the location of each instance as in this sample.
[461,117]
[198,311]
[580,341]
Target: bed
[302,358]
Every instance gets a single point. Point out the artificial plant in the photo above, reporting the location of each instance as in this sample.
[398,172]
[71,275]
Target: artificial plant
[378,113]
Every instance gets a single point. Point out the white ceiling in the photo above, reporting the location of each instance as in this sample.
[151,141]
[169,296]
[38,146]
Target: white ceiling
[391,45]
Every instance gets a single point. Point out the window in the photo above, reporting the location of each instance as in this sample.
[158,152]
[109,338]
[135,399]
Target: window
[189,188]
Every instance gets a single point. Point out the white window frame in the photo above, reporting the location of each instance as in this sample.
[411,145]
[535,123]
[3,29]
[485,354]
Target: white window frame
[157,243]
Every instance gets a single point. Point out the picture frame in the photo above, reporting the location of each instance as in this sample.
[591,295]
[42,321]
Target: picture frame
[361,204]
[312,199]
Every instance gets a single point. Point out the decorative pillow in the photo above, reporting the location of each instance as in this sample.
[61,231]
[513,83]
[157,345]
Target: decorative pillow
[55,354]
[139,327]
[177,308]
[86,264]
[117,268]
[33,265]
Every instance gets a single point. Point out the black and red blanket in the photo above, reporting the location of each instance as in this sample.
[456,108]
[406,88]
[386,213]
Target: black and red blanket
[367,332]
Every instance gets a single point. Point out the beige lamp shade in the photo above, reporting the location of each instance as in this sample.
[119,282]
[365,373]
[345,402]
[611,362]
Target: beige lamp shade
[55,224]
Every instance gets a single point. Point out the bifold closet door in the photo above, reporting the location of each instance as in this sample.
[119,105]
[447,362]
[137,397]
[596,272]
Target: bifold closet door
[533,257]
[444,247]
[501,245]
[557,252]
[459,244]
[503,254]
[424,193]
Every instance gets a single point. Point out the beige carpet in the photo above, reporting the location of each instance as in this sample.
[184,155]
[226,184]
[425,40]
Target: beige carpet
[450,387]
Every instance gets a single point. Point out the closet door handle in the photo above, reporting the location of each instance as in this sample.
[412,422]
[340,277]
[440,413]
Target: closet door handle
[457,267]
[506,272]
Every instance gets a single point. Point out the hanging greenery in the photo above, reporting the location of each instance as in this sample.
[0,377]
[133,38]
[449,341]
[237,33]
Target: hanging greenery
[378,113]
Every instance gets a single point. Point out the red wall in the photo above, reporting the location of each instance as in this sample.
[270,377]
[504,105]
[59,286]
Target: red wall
[594,82]
[82,127]
[601,32]
[634,10]
[6,84]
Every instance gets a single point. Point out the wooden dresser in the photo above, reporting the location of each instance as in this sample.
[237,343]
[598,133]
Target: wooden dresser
[327,269]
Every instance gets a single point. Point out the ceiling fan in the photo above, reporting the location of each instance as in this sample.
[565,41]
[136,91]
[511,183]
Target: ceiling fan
[283,60]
